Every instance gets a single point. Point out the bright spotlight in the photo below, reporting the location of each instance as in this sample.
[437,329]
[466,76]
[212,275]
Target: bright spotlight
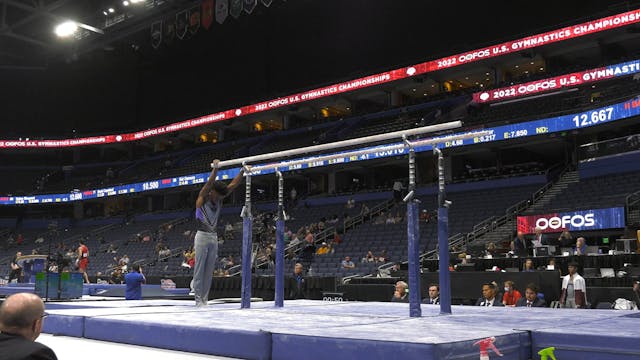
[125,3]
[112,10]
[66,28]
[105,13]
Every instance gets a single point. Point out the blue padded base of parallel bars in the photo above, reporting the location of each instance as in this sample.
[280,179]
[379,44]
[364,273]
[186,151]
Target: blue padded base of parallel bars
[331,330]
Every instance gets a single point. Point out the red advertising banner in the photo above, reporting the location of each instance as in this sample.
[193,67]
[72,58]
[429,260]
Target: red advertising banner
[566,33]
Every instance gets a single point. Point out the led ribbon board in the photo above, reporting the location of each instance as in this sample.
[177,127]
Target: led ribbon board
[550,37]
[558,82]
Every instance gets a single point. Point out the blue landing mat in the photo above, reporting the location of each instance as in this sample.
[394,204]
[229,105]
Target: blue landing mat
[326,330]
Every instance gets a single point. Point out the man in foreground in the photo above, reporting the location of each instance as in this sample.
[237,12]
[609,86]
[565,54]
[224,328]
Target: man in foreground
[21,318]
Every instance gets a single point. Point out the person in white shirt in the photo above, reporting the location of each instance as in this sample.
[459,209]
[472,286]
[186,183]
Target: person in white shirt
[574,289]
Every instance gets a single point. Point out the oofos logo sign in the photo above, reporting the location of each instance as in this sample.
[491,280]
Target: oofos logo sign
[576,221]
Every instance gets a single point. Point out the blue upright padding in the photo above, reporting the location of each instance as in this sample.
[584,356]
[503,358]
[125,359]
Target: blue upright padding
[64,325]
[444,278]
[247,239]
[413,235]
[279,295]
[222,342]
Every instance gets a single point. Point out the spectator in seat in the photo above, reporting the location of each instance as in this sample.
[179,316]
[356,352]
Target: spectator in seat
[581,246]
[323,249]
[364,211]
[351,203]
[511,294]
[528,266]
[488,297]
[116,276]
[490,250]
[297,285]
[401,294]
[434,295]
[21,319]
[369,257]
[189,258]
[384,257]
[565,239]
[337,239]
[347,263]
[574,289]
[531,298]
[397,191]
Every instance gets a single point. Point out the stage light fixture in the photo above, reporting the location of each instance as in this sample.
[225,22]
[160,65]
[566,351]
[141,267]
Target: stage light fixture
[112,10]
[67,28]
[105,13]
[125,3]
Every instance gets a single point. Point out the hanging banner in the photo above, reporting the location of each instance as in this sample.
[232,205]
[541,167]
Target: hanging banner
[182,24]
[207,13]
[194,20]
[249,5]
[156,34]
[236,8]
[169,31]
[222,10]
[266,3]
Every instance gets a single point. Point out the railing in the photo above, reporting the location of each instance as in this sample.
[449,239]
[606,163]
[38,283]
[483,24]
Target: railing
[326,234]
[492,223]
[632,202]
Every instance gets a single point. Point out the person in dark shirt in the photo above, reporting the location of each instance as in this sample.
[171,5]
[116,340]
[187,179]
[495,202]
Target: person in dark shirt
[297,284]
[16,270]
[21,318]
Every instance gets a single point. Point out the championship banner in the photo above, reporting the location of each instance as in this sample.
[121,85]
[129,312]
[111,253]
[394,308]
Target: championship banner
[169,31]
[222,10]
[207,13]
[266,3]
[182,24]
[156,34]
[581,220]
[249,5]
[194,20]
[236,8]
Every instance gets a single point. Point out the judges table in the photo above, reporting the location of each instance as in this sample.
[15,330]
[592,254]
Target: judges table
[264,287]
[586,261]
[465,286]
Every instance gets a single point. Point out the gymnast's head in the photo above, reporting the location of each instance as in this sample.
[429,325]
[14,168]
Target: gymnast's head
[218,191]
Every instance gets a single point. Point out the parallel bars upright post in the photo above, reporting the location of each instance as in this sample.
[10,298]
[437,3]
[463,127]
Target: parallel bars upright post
[413,236]
[444,277]
[279,295]
[247,236]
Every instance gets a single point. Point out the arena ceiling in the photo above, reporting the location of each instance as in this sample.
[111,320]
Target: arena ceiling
[28,41]
[277,50]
